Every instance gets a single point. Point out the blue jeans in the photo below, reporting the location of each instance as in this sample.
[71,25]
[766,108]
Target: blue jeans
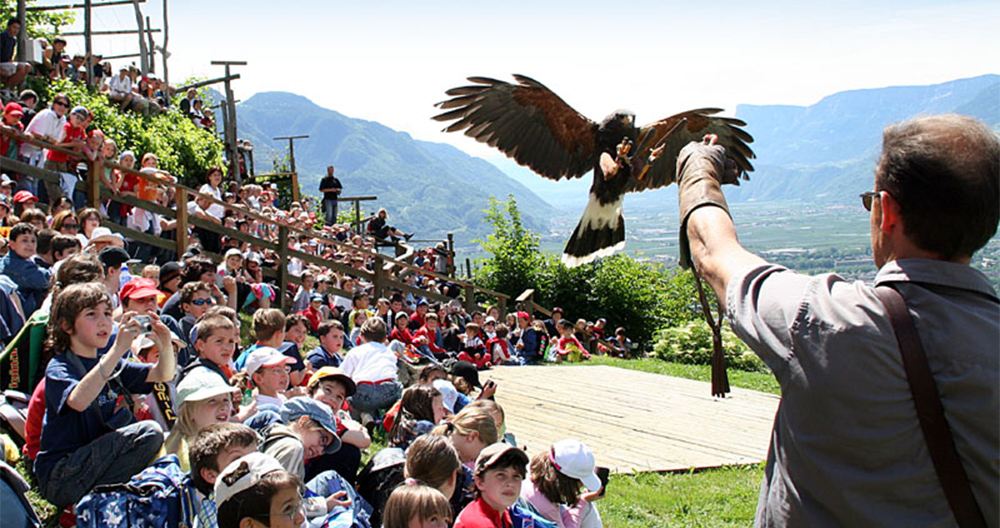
[330,482]
[330,211]
[373,398]
[110,459]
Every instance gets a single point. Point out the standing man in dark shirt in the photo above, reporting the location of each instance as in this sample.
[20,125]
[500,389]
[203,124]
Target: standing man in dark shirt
[12,73]
[330,187]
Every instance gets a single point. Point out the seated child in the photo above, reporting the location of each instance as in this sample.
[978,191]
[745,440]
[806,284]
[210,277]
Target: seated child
[417,505]
[212,450]
[203,399]
[473,348]
[269,329]
[268,371]
[421,408]
[89,436]
[331,386]
[498,347]
[429,331]
[331,342]
[314,313]
[568,347]
[195,300]
[373,368]
[296,330]
[557,476]
[309,429]
[32,281]
[500,469]
[215,345]
[255,487]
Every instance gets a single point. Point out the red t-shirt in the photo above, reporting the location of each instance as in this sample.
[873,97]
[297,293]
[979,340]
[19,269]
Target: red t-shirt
[71,133]
[33,423]
[478,514]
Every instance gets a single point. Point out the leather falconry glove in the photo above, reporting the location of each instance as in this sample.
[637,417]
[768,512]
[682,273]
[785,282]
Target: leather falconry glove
[701,170]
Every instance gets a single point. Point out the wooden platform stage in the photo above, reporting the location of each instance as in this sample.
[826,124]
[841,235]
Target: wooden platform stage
[634,421]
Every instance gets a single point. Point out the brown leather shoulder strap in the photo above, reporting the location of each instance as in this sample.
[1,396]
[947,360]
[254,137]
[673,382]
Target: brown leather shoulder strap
[930,413]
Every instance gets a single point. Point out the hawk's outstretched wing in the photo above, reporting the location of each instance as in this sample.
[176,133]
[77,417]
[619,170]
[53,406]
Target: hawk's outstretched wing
[527,122]
[676,131]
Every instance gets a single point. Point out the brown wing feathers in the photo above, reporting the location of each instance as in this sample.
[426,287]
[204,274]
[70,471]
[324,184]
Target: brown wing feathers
[527,122]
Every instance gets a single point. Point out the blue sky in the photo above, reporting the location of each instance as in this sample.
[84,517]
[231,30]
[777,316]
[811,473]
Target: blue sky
[389,61]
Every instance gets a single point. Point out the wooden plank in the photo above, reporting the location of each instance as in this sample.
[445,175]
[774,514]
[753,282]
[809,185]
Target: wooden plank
[139,236]
[634,421]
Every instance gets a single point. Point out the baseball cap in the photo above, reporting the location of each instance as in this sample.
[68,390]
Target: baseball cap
[296,408]
[201,384]
[234,252]
[523,315]
[4,201]
[242,474]
[449,395]
[112,256]
[467,371]
[138,288]
[575,460]
[13,109]
[24,197]
[266,357]
[81,110]
[316,297]
[333,372]
[491,453]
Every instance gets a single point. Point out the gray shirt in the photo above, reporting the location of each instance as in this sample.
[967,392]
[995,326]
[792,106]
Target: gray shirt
[846,448]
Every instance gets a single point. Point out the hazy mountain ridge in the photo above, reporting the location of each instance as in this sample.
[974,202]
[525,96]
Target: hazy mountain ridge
[427,187]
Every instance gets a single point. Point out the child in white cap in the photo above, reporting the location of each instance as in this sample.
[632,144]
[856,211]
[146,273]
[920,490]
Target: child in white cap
[256,488]
[556,478]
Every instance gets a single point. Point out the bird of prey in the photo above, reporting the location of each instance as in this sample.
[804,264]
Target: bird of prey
[535,127]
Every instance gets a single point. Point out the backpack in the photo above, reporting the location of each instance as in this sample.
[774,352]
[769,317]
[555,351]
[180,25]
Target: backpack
[160,496]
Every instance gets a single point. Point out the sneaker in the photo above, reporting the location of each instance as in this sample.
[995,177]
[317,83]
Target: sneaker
[408,236]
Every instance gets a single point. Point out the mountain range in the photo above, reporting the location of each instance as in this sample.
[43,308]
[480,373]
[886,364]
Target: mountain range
[424,186]
[822,153]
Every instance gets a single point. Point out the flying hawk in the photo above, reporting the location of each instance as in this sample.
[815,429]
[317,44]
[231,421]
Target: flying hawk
[533,125]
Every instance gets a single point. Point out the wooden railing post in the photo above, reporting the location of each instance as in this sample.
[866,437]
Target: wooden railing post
[470,298]
[282,266]
[295,187]
[182,220]
[379,277]
[450,269]
[94,184]
[357,211]
[502,305]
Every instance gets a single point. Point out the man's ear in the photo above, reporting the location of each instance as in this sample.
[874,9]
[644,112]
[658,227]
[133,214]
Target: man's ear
[890,211]
[209,475]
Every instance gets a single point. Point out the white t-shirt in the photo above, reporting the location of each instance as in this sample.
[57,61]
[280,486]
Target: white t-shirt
[215,209]
[370,362]
[46,123]
[120,86]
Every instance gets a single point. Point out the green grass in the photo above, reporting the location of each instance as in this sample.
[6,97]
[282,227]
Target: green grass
[737,378]
[720,497]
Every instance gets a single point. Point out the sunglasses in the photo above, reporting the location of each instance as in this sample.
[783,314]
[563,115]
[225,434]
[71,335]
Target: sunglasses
[71,226]
[203,302]
[61,103]
[867,198]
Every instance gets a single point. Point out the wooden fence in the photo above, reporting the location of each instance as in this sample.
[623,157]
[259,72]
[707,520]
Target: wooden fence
[385,276]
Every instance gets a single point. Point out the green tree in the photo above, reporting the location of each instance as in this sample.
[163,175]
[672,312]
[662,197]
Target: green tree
[44,24]
[516,256]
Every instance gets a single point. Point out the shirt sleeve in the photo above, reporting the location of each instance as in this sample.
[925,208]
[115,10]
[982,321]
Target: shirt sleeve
[60,380]
[762,304]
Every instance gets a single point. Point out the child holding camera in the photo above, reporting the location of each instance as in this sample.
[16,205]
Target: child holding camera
[90,436]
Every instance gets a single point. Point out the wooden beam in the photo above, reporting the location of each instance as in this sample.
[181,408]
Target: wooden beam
[182,220]
[109,32]
[62,7]
[199,84]
[282,267]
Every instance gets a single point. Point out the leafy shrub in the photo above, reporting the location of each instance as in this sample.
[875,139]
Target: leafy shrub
[691,343]
[183,149]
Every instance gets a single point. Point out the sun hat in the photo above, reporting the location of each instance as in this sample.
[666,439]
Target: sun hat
[449,395]
[333,372]
[201,384]
[103,234]
[244,473]
[266,357]
[296,408]
[575,460]
[491,453]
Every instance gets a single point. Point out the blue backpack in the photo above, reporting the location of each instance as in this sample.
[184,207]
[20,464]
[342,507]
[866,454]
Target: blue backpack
[160,496]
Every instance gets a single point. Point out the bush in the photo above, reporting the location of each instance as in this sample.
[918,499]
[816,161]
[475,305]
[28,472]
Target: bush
[183,149]
[691,343]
